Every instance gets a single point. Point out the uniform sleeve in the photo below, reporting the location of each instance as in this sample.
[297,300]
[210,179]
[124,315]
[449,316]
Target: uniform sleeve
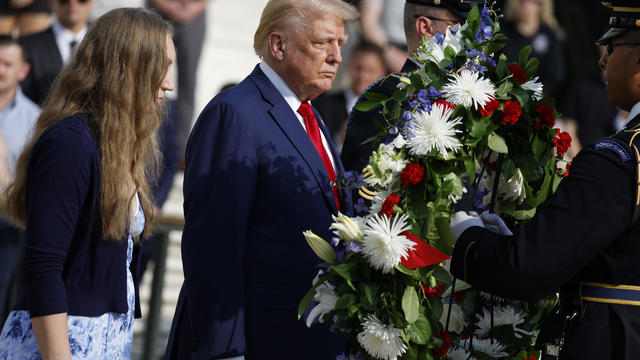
[219,187]
[591,208]
[58,177]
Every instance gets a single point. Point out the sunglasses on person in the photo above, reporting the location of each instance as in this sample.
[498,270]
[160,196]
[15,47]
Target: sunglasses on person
[64,2]
[611,45]
[450,21]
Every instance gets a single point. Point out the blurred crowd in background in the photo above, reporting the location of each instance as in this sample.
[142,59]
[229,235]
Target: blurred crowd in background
[39,37]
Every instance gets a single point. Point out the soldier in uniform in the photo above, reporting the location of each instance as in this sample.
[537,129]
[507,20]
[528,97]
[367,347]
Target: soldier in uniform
[421,18]
[587,236]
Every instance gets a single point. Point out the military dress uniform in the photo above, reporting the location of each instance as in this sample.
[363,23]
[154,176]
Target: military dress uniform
[586,234]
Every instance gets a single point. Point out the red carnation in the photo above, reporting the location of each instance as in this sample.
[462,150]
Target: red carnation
[531,357]
[567,168]
[446,344]
[537,125]
[511,113]
[489,107]
[433,292]
[562,141]
[411,174]
[546,114]
[445,103]
[389,203]
[518,73]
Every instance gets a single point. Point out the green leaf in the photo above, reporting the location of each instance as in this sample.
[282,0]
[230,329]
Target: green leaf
[420,331]
[415,274]
[481,128]
[500,36]
[523,56]
[497,143]
[449,52]
[345,301]
[521,95]
[493,48]
[367,105]
[508,169]
[504,90]
[304,303]
[410,304]
[524,214]
[532,67]
[447,240]
[374,96]
[501,69]
[411,353]
[346,271]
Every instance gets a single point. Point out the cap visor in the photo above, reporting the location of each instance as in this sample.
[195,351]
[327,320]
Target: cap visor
[610,34]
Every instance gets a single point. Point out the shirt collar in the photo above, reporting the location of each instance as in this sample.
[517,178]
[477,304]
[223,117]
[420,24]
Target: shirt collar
[64,37]
[289,96]
[635,111]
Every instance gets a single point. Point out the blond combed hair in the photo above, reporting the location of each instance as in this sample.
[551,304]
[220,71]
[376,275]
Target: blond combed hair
[295,15]
[547,16]
[114,78]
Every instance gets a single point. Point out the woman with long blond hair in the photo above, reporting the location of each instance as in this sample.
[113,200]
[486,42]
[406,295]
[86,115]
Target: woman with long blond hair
[532,22]
[81,191]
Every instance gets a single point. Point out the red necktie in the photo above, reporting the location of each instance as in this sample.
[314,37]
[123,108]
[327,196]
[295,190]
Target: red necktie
[314,134]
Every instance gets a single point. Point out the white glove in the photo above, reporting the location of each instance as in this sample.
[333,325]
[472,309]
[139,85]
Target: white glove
[461,221]
[494,223]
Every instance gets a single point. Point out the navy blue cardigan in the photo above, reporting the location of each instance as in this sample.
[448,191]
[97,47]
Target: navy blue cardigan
[68,266]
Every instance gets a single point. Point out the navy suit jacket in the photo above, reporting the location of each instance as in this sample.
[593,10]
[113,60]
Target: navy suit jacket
[46,63]
[253,183]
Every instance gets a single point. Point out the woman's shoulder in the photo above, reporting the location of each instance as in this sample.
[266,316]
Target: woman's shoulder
[72,131]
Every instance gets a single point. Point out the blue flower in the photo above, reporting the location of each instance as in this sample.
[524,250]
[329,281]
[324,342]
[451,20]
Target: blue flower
[360,206]
[354,247]
[342,356]
[339,256]
[439,38]
[393,130]
[484,15]
[433,92]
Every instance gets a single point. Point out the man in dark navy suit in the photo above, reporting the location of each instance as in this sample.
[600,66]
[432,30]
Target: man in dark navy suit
[260,169]
[51,49]
[422,18]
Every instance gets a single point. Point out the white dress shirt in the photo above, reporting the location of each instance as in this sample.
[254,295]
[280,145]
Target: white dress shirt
[294,102]
[64,37]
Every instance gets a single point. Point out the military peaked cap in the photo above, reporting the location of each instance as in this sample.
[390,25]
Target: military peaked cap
[625,16]
[460,8]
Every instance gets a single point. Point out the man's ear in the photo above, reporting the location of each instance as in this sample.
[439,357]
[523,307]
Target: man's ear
[425,26]
[277,45]
[24,70]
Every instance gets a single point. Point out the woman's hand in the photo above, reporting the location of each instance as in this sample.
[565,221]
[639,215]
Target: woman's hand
[52,336]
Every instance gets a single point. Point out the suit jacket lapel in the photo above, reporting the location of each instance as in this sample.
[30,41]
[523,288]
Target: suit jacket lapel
[287,121]
[51,46]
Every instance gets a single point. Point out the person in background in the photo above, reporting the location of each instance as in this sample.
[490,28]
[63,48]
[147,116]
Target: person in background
[28,16]
[260,170]
[52,48]
[421,18]
[365,67]
[382,25]
[81,189]
[18,115]
[532,22]
[582,242]
[189,20]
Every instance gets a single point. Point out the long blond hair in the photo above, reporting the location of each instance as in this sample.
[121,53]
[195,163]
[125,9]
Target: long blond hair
[114,78]
[546,15]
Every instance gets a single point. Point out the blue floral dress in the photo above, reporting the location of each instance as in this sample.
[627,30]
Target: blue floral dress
[108,336]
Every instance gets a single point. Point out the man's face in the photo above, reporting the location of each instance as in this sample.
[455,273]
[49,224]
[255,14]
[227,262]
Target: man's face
[365,68]
[72,13]
[311,56]
[619,67]
[12,68]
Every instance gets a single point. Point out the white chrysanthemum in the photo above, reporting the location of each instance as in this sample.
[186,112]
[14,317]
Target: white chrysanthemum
[459,354]
[386,163]
[434,130]
[535,86]
[381,341]
[456,321]
[326,297]
[512,189]
[469,89]
[383,245]
[495,350]
[506,315]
